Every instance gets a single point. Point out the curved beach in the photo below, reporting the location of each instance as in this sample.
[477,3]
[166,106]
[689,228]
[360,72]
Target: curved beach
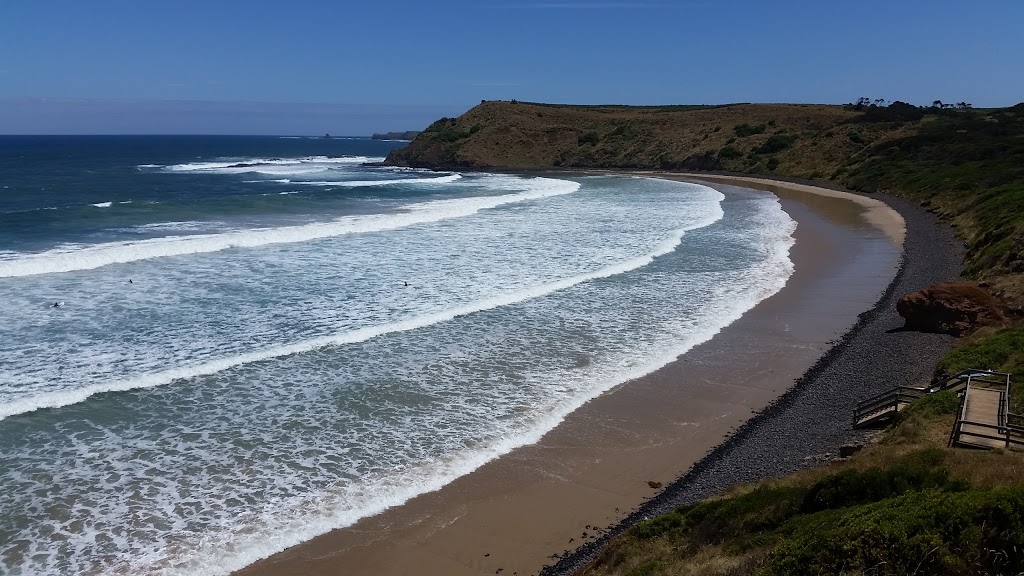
[603,464]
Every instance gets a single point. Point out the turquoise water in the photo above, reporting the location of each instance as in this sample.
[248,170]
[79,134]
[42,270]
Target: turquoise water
[262,339]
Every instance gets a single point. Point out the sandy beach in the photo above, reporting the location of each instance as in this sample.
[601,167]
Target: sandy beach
[523,511]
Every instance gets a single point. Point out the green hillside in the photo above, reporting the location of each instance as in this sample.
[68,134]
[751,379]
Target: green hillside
[966,164]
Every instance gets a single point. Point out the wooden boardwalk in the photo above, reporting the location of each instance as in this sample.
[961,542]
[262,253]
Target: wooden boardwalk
[982,418]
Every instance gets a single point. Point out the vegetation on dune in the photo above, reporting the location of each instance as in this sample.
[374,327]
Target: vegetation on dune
[967,165]
[1001,350]
[903,506]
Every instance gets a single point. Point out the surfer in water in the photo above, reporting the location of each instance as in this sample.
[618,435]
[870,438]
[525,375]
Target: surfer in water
[58,304]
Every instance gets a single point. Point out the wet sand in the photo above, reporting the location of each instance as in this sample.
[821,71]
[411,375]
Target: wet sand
[514,513]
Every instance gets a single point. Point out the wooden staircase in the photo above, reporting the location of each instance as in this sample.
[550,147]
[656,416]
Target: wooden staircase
[885,406]
[984,419]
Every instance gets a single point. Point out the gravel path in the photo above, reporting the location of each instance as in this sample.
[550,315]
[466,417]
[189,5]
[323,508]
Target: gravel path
[814,417]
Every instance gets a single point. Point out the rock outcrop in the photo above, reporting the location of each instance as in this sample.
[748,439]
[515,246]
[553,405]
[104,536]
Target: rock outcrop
[955,308]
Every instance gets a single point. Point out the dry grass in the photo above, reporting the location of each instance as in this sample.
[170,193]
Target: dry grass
[520,135]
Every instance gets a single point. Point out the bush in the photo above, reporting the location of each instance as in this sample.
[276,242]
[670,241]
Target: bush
[1003,351]
[452,134]
[932,405]
[855,137]
[588,138]
[776,143]
[729,152]
[921,470]
[772,164]
[744,130]
[927,532]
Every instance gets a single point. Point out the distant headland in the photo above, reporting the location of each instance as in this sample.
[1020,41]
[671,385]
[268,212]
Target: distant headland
[407,135]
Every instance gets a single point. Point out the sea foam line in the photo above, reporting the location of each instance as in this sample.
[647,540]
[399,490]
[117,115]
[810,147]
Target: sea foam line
[249,163]
[163,377]
[73,258]
[360,183]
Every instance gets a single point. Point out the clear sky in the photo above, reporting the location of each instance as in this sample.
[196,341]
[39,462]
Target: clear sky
[345,67]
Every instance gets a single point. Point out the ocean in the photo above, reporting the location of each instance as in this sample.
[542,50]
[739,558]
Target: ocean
[214,348]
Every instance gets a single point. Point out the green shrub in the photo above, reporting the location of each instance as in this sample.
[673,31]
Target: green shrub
[937,404]
[776,143]
[729,152]
[772,164]
[588,138]
[926,532]
[1002,351]
[744,130]
[921,470]
[452,134]
[658,527]
[855,137]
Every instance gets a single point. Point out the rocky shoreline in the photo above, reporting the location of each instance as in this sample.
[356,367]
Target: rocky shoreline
[812,420]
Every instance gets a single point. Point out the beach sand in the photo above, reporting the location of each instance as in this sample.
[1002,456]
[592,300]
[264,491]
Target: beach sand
[514,513]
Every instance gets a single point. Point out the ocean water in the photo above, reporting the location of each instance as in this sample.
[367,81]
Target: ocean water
[262,339]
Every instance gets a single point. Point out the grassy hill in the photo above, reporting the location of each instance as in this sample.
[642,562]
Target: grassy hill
[965,164]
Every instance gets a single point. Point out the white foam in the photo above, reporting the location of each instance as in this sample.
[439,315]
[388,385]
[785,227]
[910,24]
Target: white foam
[78,257]
[102,204]
[162,377]
[361,183]
[272,165]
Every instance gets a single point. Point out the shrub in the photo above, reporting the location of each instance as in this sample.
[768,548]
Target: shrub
[452,134]
[855,137]
[921,470]
[776,143]
[744,130]
[927,532]
[937,404]
[729,152]
[772,164]
[588,138]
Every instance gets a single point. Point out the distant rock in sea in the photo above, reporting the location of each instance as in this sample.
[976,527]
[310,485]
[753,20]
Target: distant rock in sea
[408,135]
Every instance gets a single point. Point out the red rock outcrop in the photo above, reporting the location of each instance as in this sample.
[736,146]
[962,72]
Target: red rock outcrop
[955,308]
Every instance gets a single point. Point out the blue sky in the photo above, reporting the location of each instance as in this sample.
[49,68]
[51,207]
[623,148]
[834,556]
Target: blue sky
[308,67]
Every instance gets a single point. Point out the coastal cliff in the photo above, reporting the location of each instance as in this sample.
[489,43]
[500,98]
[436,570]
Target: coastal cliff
[963,164]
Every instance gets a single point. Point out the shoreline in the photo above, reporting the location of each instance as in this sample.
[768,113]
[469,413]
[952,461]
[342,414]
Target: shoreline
[931,253]
[451,531]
